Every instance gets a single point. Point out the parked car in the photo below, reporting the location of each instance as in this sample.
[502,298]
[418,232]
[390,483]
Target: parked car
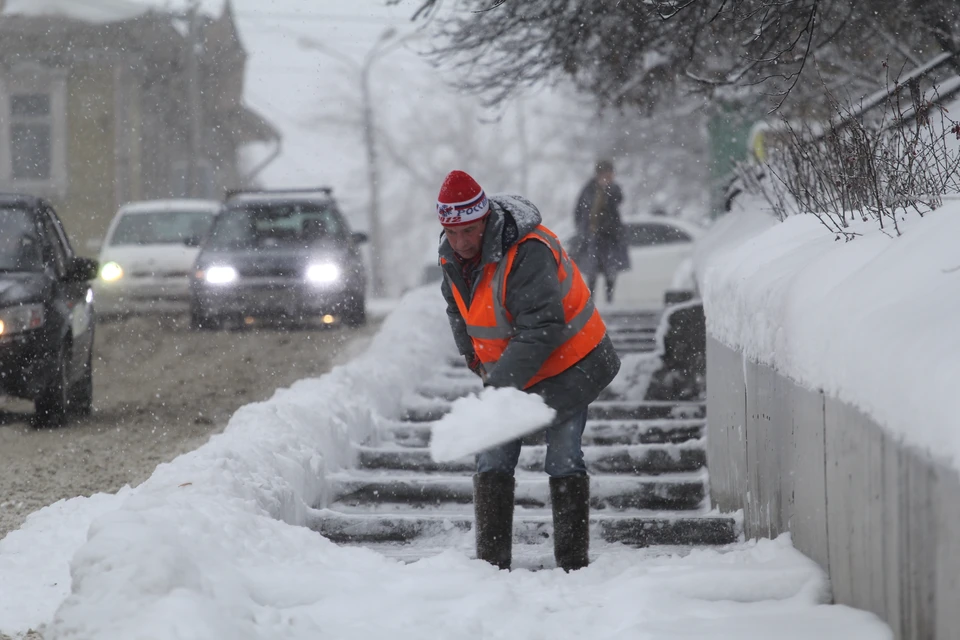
[148,255]
[46,312]
[280,255]
[657,246]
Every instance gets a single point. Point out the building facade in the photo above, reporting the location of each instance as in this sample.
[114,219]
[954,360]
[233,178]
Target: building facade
[99,110]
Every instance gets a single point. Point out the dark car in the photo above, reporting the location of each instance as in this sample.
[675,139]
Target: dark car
[46,312]
[279,255]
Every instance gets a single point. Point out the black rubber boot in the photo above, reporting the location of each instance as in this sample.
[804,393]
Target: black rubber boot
[570,497]
[493,506]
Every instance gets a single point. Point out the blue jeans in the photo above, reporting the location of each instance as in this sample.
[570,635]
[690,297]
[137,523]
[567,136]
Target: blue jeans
[564,455]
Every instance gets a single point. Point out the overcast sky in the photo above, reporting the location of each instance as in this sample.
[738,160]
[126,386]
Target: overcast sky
[303,91]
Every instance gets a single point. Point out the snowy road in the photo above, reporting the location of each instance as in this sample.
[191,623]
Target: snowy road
[160,390]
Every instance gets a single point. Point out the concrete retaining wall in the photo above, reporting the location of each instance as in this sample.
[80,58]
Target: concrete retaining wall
[882,519]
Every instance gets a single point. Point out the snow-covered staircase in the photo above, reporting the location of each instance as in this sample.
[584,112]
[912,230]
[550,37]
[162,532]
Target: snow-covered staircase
[646,459]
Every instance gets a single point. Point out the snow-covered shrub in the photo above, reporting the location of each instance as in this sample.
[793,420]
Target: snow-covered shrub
[878,160]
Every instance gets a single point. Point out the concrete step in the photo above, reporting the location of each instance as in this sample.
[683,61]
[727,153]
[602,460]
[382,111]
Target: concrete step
[623,348]
[449,392]
[597,432]
[639,341]
[628,331]
[633,530]
[452,373]
[431,411]
[458,362]
[613,432]
[631,459]
[663,492]
[615,317]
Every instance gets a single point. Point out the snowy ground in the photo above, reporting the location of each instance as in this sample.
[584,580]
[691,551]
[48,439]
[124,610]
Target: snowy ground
[213,544]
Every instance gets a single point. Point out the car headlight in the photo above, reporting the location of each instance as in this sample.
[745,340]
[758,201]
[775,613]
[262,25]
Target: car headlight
[111,272]
[220,275]
[20,318]
[323,273]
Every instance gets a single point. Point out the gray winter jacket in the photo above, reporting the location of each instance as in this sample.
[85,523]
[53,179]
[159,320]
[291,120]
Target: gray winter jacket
[534,300]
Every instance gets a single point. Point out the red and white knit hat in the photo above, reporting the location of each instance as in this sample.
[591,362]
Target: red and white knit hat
[461,200]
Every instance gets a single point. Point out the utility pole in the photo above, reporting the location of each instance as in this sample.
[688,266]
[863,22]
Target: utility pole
[194,104]
[524,150]
[379,49]
[373,175]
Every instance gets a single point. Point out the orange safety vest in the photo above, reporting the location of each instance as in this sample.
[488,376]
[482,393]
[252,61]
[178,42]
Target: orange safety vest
[490,324]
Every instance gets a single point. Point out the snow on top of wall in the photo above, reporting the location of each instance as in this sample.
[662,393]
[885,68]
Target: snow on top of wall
[871,321]
[101,11]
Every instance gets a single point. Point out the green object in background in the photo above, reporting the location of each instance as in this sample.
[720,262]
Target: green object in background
[728,129]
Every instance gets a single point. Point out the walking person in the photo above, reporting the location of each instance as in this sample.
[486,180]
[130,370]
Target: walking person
[523,317]
[603,249]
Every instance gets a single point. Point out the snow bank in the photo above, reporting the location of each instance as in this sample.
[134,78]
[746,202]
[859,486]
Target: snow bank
[477,423]
[871,321]
[35,559]
[173,545]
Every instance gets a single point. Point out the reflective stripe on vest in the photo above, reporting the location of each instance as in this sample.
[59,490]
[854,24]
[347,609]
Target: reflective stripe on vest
[490,326]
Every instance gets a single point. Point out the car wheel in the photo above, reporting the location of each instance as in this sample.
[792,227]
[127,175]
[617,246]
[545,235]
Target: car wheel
[355,314]
[81,395]
[52,402]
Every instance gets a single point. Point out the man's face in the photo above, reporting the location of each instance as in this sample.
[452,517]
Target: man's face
[605,178]
[467,240]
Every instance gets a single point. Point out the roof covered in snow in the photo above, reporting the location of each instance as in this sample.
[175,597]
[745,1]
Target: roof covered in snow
[95,11]
[172,204]
[101,11]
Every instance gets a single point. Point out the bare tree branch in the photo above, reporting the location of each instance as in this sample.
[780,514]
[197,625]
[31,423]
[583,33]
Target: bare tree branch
[646,54]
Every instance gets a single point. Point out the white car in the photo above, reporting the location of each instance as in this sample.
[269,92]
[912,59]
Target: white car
[657,245]
[148,255]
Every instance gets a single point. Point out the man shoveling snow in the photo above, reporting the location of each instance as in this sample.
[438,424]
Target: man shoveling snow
[523,317]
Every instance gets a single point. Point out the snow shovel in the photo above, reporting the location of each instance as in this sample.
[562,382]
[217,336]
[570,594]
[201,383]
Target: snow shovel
[477,423]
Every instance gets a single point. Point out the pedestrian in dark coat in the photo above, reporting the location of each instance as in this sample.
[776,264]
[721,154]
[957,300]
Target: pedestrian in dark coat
[602,247]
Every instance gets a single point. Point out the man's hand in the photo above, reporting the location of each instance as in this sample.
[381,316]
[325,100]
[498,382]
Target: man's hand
[475,365]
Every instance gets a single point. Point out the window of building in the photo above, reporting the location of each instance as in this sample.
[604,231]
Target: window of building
[33,148]
[31,138]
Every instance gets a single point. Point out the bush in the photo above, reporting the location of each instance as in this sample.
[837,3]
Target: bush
[876,161]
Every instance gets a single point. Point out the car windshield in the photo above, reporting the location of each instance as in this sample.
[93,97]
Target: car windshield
[161,227]
[20,248]
[290,225]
